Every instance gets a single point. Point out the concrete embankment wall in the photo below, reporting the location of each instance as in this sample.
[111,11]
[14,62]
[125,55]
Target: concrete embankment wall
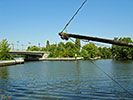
[19,61]
[10,62]
[54,59]
[59,59]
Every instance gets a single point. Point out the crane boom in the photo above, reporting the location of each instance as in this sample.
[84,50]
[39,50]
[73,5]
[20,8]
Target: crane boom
[66,36]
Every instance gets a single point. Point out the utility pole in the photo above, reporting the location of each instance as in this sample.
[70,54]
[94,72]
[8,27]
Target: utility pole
[12,46]
[22,46]
[66,36]
[17,45]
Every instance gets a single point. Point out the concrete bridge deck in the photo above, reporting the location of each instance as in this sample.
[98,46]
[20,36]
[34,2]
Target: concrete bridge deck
[30,55]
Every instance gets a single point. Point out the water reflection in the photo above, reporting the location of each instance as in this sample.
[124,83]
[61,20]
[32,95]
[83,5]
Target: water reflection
[3,79]
[122,68]
[123,72]
[4,72]
[65,80]
[120,71]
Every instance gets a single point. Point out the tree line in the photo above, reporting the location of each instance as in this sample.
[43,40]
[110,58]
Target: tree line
[70,49]
[90,50]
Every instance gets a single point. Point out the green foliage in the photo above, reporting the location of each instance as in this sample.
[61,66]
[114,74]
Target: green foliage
[43,49]
[4,48]
[52,47]
[84,53]
[78,46]
[122,52]
[33,48]
[62,50]
[104,52]
[70,49]
[48,44]
[88,51]
[52,50]
[91,49]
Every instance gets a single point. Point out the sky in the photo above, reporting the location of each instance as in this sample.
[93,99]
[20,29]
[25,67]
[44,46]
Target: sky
[37,21]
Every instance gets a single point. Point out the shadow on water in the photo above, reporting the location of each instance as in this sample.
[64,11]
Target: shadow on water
[4,72]
[3,79]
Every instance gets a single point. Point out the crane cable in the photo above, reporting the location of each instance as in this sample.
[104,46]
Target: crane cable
[112,79]
[91,61]
[74,15]
[108,75]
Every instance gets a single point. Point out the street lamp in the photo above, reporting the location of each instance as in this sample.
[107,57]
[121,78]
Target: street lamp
[22,46]
[17,45]
[12,46]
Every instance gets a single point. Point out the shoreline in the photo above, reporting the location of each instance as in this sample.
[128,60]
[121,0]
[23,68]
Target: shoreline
[60,59]
[21,61]
[11,62]
[54,59]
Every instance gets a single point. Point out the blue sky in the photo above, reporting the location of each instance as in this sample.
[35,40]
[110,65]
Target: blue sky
[37,21]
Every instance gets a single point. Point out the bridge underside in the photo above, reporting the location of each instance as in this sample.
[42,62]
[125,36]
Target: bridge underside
[32,58]
[30,55]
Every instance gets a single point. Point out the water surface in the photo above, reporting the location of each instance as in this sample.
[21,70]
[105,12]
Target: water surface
[71,80]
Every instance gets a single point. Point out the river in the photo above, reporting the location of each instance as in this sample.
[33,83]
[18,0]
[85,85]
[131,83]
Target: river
[70,80]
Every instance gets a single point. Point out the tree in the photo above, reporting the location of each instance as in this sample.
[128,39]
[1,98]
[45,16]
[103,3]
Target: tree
[61,44]
[60,51]
[104,52]
[70,49]
[84,53]
[122,52]
[4,49]
[91,49]
[48,44]
[52,49]
[33,48]
[78,46]
[43,49]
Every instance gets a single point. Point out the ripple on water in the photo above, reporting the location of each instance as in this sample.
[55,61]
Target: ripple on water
[62,90]
[66,80]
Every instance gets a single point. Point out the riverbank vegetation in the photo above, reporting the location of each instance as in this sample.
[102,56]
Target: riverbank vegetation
[122,52]
[4,48]
[70,49]
[90,50]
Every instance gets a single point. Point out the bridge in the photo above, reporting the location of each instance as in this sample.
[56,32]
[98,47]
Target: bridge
[30,55]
